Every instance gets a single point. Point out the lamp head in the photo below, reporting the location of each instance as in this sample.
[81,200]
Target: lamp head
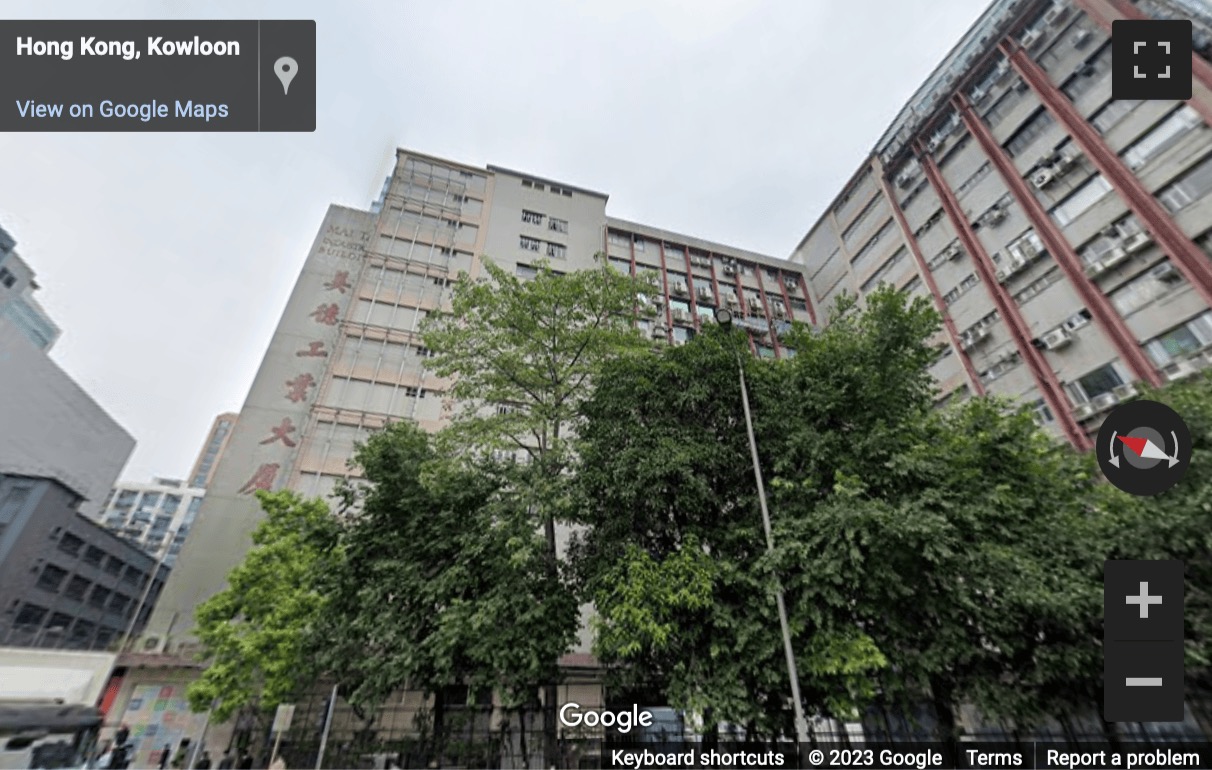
[723,317]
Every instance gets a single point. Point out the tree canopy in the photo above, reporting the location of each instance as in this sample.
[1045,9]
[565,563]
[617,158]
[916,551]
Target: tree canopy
[255,633]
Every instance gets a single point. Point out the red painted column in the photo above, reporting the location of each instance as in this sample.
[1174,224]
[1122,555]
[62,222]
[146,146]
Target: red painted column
[927,274]
[715,281]
[1045,378]
[1187,257]
[694,305]
[774,338]
[740,298]
[1070,263]
[1103,12]
[786,296]
[668,300]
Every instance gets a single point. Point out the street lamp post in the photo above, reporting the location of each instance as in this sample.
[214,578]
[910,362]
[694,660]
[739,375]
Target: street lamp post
[161,556]
[723,316]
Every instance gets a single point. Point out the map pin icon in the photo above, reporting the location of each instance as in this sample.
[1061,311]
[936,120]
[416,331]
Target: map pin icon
[286,68]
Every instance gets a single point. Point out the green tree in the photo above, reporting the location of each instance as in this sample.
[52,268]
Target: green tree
[254,633]
[925,555]
[441,583]
[525,355]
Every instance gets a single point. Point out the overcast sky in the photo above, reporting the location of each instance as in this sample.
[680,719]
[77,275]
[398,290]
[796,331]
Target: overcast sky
[167,258]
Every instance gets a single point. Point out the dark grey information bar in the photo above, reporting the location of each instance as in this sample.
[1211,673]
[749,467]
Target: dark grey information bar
[158,75]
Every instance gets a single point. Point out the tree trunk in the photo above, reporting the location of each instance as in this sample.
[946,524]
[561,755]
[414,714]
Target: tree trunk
[551,693]
[948,734]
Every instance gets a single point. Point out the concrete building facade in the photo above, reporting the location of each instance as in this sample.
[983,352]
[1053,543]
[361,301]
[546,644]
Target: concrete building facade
[203,471]
[1064,236]
[347,357]
[65,581]
[17,303]
[156,517]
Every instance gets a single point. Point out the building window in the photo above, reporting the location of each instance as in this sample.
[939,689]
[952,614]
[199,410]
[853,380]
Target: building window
[70,544]
[618,239]
[1041,413]
[1181,341]
[1166,134]
[1192,186]
[621,265]
[1037,286]
[99,596]
[912,287]
[119,603]
[114,565]
[860,262]
[976,176]
[530,244]
[150,500]
[1001,367]
[639,244]
[1144,289]
[525,272]
[7,278]
[134,576]
[13,502]
[1029,132]
[51,578]
[558,225]
[171,504]
[556,251]
[30,615]
[532,217]
[1102,380]
[93,555]
[1081,200]
[1115,111]
[77,587]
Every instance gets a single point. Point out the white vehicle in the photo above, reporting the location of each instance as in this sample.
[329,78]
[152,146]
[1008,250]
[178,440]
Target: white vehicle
[48,706]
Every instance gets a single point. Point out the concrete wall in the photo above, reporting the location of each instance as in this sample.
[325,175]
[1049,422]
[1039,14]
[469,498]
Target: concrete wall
[52,427]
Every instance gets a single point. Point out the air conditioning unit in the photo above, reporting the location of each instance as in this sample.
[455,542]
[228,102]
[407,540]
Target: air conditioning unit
[978,95]
[732,301]
[755,303]
[729,269]
[994,216]
[1114,258]
[1064,162]
[1136,242]
[1166,272]
[1095,269]
[1125,391]
[1031,38]
[904,179]
[680,289]
[1180,370]
[935,142]
[704,292]
[680,315]
[1104,402]
[659,332]
[778,311]
[792,286]
[1081,38]
[953,252]
[1057,338]
[1055,14]
[971,339]
[1043,178]
[1083,411]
